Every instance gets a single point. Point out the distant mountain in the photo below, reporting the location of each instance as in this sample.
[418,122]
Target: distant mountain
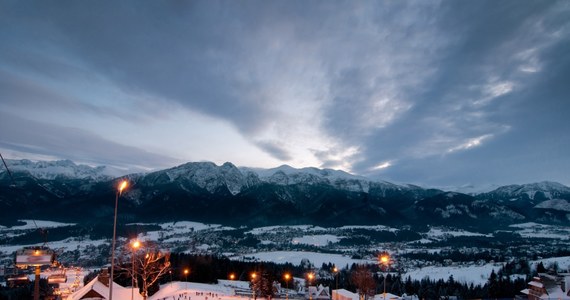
[533,192]
[62,168]
[226,194]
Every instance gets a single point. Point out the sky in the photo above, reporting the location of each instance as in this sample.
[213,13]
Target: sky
[436,93]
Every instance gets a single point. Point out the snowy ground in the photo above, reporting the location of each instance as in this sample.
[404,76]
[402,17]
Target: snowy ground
[179,234]
[33,224]
[441,233]
[295,257]
[316,240]
[535,230]
[477,275]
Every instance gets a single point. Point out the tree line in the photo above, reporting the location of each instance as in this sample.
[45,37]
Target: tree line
[362,279]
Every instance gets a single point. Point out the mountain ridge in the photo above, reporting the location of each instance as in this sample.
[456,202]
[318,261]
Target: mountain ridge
[204,191]
[69,169]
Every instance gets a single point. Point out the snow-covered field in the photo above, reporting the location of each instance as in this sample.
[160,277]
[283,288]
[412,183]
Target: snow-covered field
[295,257]
[316,240]
[179,235]
[535,230]
[477,275]
[33,224]
[272,229]
[441,233]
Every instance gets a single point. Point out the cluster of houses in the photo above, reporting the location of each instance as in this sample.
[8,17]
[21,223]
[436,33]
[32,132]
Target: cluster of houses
[544,286]
[547,286]
[98,289]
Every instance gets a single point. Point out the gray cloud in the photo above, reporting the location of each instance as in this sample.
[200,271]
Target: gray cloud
[445,90]
[37,138]
[481,91]
[275,149]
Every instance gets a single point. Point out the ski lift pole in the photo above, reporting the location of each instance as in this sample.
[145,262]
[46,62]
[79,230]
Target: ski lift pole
[37,284]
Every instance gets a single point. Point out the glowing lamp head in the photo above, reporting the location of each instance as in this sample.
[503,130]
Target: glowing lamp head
[186,271]
[311,276]
[335,270]
[384,259]
[253,275]
[136,244]
[122,186]
[287,276]
[232,276]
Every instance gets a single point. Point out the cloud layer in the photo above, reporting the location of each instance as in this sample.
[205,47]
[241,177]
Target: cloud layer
[438,92]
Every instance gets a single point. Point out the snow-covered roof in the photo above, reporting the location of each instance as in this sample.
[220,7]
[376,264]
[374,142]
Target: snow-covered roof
[96,286]
[387,296]
[319,291]
[346,294]
[536,284]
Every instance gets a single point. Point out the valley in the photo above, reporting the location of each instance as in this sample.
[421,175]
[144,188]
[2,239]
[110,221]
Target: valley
[438,253]
[308,219]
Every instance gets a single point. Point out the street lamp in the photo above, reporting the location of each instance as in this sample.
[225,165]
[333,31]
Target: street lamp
[287,276]
[310,277]
[121,187]
[186,271]
[232,276]
[135,246]
[385,260]
[253,285]
[335,271]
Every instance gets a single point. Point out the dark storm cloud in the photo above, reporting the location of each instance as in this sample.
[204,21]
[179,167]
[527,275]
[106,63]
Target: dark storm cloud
[433,91]
[487,87]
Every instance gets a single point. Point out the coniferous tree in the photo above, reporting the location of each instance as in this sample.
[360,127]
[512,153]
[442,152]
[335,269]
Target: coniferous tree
[493,285]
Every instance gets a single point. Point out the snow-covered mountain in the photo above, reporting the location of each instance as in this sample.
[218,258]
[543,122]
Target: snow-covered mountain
[283,195]
[209,176]
[62,168]
[555,204]
[540,191]
[287,175]
[206,175]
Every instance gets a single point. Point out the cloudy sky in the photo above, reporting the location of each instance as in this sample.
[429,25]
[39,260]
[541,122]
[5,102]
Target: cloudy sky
[436,93]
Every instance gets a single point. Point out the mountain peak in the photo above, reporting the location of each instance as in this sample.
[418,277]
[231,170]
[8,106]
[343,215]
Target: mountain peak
[60,168]
[534,191]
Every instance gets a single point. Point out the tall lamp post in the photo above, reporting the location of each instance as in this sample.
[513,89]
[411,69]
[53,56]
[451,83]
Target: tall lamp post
[135,246]
[310,277]
[287,277]
[385,260]
[120,189]
[253,285]
[335,271]
[186,271]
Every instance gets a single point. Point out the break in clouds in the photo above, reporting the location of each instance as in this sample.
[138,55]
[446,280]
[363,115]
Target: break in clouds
[438,92]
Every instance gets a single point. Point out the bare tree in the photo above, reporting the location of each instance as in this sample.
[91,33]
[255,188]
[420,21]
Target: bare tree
[148,263]
[362,278]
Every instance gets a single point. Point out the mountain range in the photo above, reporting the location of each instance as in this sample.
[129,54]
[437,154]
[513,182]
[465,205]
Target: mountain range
[226,194]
